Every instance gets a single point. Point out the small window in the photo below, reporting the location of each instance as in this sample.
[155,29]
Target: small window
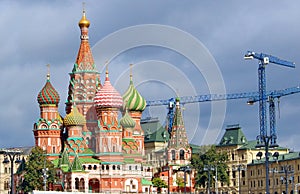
[95,167]
[173,154]
[181,154]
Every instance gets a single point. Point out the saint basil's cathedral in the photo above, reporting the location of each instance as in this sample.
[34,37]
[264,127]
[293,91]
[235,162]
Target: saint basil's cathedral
[92,149]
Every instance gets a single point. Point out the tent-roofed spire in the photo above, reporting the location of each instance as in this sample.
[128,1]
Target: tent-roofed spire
[85,60]
[178,133]
[76,165]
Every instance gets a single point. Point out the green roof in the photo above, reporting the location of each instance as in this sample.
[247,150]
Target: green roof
[195,148]
[128,140]
[154,131]
[117,163]
[146,182]
[129,160]
[281,157]
[89,160]
[87,151]
[233,136]
[76,165]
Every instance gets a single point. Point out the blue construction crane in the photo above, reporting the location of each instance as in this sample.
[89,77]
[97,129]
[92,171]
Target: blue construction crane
[252,98]
[265,140]
[265,59]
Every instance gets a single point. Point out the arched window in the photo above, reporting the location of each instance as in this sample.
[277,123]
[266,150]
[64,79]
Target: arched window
[181,154]
[77,183]
[173,154]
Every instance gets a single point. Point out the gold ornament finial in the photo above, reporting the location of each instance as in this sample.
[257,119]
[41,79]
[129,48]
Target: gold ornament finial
[83,22]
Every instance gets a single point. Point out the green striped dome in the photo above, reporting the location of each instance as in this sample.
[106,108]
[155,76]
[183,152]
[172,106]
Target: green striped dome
[133,100]
[126,121]
[74,118]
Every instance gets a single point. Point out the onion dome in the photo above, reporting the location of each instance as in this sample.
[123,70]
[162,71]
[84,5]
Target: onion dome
[108,96]
[126,121]
[48,95]
[74,118]
[84,22]
[134,101]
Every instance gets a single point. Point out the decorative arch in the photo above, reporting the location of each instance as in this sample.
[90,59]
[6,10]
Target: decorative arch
[131,185]
[94,185]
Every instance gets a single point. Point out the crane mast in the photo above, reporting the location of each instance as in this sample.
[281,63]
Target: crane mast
[265,140]
[265,59]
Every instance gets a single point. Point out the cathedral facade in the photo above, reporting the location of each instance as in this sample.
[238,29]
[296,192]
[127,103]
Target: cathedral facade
[95,151]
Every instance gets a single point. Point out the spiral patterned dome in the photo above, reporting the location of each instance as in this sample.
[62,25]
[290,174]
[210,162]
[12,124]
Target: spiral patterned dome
[134,101]
[126,121]
[48,95]
[74,118]
[108,96]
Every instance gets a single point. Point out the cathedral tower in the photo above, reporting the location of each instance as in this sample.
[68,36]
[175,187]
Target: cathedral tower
[179,150]
[108,102]
[84,83]
[135,104]
[74,140]
[48,129]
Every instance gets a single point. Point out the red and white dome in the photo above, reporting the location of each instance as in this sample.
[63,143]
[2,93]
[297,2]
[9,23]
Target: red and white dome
[108,96]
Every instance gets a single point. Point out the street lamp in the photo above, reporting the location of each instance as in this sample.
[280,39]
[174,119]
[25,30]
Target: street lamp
[266,141]
[286,170]
[239,168]
[208,168]
[11,156]
[189,170]
[45,176]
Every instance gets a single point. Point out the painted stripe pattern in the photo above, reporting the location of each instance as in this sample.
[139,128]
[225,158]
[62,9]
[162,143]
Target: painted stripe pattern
[134,101]
[108,96]
[48,95]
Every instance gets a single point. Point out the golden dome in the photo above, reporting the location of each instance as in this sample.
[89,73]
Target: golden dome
[84,22]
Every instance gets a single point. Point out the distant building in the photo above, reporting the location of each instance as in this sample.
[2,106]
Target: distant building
[5,166]
[242,154]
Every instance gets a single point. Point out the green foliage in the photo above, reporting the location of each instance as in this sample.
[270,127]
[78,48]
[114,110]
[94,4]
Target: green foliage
[213,159]
[159,183]
[180,182]
[32,173]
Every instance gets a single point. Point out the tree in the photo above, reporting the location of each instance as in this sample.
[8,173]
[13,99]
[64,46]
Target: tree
[32,171]
[159,183]
[180,182]
[210,158]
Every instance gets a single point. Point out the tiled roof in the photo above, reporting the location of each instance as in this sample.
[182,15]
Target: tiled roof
[146,182]
[76,165]
[233,136]
[74,118]
[154,131]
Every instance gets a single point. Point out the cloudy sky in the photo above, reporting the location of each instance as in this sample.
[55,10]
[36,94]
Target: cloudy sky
[178,48]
